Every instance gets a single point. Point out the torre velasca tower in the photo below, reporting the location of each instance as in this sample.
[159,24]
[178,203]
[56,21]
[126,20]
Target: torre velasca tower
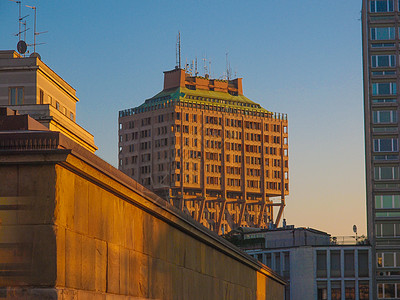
[380,30]
[210,151]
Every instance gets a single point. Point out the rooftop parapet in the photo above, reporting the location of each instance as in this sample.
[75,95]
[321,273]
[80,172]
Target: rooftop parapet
[179,78]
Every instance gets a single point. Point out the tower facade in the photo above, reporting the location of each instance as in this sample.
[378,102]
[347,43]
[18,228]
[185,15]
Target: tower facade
[206,148]
[380,30]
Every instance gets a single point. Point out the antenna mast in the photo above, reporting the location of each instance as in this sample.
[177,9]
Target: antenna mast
[179,50]
[35,33]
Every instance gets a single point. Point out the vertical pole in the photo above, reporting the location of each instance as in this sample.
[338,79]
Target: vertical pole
[34,32]
[19,21]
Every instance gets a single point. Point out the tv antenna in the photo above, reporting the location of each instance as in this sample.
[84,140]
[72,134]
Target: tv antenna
[205,66]
[195,68]
[21,45]
[228,67]
[35,33]
[178,51]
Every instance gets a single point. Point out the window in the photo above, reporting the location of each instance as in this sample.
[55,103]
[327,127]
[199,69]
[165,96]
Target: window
[349,290]
[16,95]
[58,105]
[386,145]
[384,88]
[383,61]
[349,264]
[336,291]
[335,264]
[384,116]
[386,173]
[381,6]
[363,290]
[41,97]
[382,45]
[387,201]
[322,293]
[382,33]
[321,264]
[388,290]
[71,116]
[387,230]
[388,259]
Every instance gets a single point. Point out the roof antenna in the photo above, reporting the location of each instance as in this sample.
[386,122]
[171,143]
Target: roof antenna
[21,45]
[205,67]
[178,51]
[227,67]
[35,33]
[195,68]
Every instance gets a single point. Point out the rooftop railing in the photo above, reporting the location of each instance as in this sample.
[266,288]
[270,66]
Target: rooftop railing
[349,240]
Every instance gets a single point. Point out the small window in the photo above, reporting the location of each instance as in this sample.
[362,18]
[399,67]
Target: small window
[58,105]
[41,97]
[71,116]
[16,95]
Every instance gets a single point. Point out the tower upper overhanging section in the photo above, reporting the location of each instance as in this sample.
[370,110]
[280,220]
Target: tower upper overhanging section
[180,86]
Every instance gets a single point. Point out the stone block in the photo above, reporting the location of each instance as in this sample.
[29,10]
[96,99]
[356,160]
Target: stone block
[96,218]
[81,205]
[147,233]
[44,259]
[113,268]
[36,187]
[73,262]
[101,266]
[107,211]
[65,198]
[119,216]
[138,274]
[9,180]
[88,263]
[138,224]
[128,224]
[124,271]
[61,244]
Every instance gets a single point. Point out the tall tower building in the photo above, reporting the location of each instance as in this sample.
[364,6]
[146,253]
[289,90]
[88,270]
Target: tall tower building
[380,30]
[210,151]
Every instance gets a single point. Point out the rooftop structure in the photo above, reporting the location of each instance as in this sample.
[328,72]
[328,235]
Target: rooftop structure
[209,150]
[29,86]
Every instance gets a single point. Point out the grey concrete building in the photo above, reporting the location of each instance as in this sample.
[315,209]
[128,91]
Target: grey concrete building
[316,265]
[380,29]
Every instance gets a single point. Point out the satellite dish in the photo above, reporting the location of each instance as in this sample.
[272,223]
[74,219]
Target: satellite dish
[354,228]
[35,54]
[21,47]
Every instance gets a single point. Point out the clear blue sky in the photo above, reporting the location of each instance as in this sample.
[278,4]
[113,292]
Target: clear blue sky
[298,57]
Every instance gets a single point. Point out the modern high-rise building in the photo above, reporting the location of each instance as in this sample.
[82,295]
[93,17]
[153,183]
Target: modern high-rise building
[380,30]
[210,151]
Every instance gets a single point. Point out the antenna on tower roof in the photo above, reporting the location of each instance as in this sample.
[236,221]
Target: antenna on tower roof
[178,51]
[195,68]
[228,67]
[205,66]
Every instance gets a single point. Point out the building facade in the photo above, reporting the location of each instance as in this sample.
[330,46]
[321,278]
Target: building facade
[203,146]
[380,30]
[316,266]
[29,86]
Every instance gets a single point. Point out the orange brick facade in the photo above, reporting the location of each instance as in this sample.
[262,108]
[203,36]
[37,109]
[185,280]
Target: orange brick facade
[216,155]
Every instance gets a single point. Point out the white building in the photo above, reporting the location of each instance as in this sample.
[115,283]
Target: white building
[316,266]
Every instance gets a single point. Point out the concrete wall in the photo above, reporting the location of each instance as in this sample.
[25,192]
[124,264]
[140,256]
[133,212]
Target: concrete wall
[302,273]
[73,227]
